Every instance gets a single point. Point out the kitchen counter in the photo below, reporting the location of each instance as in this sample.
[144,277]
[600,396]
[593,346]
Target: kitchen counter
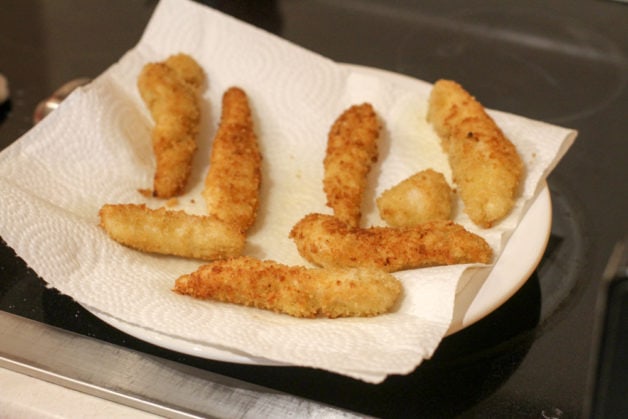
[23,396]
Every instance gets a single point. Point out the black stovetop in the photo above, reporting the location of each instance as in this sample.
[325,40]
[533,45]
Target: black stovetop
[561,61]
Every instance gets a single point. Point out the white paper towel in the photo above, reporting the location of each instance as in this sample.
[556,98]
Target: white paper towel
[95,149]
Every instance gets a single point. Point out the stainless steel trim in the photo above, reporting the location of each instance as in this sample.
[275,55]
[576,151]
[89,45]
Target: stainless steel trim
[142,381]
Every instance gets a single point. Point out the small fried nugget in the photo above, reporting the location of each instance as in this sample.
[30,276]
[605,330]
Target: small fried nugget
[233,180]
[328,242]
[170,90]
[171,232]
[485,164]
[293,290]
[351,151]
[424,196]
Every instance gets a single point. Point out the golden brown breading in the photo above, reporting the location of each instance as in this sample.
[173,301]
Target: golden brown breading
[171,232]
[170,90]
[293,290]
[424,196]
[326,241]
[484,163]
[351,151]
[233,180]
[187,69]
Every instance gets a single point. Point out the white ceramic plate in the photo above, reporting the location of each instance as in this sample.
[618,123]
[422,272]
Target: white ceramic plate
[479,295]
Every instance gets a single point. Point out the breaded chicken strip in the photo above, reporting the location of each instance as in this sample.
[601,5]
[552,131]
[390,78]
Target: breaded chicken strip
[484,163]
[171,232]
[293,290]
[351,151]
[328,242]
[187,69]
[170,90]
[424,196]
[233,180]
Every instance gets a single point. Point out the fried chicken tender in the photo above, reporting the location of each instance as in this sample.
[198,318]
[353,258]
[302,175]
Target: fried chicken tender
[170,90]
[328,242]
[351,151]
[233,180]
[424,196]
[171,232]
[187,69]
[293,290]
[485,164]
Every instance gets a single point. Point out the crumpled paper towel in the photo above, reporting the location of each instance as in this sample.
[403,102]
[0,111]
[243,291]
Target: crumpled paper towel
[95,149]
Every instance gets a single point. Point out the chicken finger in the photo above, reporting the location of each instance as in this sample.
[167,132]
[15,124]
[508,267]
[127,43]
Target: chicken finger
[187,69]
[171,232]
[351,151]
[293,290]
[328,242]
[170,90]
[233,180]
[484,163]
